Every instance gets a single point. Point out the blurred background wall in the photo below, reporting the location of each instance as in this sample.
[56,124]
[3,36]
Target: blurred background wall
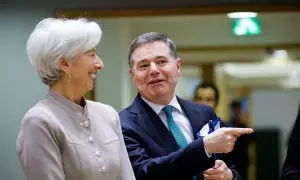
[202,41]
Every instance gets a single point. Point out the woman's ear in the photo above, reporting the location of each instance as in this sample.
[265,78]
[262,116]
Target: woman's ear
[64,65]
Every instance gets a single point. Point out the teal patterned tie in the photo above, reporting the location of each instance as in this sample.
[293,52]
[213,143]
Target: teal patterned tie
[174,128]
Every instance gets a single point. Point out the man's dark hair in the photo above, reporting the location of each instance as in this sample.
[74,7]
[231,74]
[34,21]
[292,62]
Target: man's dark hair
[208,85]
[149,38]
[235,104]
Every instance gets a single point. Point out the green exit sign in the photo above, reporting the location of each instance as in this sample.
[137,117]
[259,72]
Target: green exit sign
[246,26]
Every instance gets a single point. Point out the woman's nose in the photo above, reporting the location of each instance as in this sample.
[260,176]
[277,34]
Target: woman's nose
[98,63]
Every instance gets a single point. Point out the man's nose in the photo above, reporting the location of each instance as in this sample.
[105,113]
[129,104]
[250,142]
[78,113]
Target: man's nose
[153,67]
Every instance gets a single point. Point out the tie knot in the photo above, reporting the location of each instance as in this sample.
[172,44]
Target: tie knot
[168,109]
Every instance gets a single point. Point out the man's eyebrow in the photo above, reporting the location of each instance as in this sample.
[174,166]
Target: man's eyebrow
[145,60]
[142,61]
[158,57]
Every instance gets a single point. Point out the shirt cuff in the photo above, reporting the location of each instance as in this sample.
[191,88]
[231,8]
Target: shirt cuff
[208,155]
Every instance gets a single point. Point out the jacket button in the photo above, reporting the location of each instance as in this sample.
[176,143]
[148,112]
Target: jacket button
[98,153]
[103,169]
[86,123]
[91,139]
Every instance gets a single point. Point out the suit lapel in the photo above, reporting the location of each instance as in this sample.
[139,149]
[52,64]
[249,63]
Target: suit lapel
[194,115]
[151,123]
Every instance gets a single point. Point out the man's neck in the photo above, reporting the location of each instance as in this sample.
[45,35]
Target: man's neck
[160,101]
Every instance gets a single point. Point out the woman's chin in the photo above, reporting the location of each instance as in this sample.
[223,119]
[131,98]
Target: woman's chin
[90,88]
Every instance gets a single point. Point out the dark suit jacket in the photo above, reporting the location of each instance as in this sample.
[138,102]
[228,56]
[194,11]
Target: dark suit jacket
[152,149]
[291,166]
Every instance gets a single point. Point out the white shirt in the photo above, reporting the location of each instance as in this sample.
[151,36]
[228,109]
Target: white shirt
[178,115]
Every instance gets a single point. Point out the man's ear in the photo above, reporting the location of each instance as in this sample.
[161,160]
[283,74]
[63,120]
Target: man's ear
[130,71]
[178,65]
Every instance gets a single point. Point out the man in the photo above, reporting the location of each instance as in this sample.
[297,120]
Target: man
[207,93]
[291,166]
[160,129]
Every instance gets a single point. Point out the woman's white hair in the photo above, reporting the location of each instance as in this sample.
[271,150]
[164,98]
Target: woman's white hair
[55,38]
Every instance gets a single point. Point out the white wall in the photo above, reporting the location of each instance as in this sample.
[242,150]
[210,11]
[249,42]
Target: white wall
[113,83]
[20,86]
[276,109]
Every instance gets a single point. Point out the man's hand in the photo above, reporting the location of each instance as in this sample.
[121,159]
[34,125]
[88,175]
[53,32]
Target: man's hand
[222,140]
[219,172]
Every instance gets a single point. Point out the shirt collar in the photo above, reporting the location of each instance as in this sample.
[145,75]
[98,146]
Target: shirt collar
[158,107]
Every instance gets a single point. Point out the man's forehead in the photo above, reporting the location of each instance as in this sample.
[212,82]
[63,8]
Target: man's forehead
[150,51]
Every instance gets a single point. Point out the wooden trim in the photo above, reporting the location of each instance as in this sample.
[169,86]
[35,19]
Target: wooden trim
[138,12]
[237,47]
[195,55]
[208,72]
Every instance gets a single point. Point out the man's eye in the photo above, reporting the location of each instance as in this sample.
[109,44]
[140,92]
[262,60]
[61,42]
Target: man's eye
[143,66]
[162,61]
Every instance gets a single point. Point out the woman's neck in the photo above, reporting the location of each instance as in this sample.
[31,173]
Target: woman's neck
[68,91]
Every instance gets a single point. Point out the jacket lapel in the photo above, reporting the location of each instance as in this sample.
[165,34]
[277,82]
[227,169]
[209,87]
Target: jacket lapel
[194,115]
[151,123]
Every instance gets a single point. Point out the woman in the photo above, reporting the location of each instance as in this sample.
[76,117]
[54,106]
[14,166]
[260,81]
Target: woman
[65,136]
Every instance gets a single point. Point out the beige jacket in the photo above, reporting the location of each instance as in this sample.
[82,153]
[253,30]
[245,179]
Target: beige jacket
[60,140]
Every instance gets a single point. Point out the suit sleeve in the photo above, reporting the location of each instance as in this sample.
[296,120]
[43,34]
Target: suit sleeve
[185,162]
[38,150]
[291,166]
